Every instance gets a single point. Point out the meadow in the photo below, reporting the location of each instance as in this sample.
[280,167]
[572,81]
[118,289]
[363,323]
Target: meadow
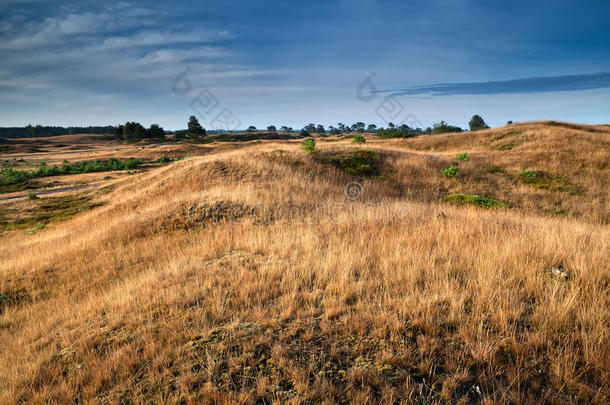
[458,268]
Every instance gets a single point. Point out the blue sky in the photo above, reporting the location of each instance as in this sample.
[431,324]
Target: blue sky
[291,63]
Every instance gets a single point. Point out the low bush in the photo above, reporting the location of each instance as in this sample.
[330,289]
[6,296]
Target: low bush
[473,199]
[528,176]
[359,162]
[462,156]
[450,172]
[164,159]
[309,145]
[10,176]
[358,139]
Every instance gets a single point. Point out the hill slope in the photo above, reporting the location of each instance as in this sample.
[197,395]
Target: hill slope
[255,275]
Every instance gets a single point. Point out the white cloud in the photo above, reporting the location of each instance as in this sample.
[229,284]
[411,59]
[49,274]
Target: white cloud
[151,38]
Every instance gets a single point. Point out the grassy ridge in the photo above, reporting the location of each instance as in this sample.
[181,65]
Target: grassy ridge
[392,296]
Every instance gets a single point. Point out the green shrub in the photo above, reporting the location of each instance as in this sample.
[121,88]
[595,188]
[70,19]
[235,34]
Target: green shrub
[358,139]
[473,199]
[309,145]
[451,172]
[10,176]
[359,162]
[32,196]
[462,156]
[528,176]
[164,159]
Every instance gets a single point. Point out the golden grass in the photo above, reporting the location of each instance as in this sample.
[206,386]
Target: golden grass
[290,292]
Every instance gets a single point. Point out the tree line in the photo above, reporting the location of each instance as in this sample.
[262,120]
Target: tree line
[134,131]
[36,131]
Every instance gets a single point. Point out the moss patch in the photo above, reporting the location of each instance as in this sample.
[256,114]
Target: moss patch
[507,146]
[44,211]
[360,162]
[546,181]
[473,199]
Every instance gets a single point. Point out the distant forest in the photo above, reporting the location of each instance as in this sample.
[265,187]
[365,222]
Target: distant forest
[40,131]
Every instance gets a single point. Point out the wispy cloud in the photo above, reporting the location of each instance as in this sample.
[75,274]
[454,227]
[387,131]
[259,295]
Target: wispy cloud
[526,85]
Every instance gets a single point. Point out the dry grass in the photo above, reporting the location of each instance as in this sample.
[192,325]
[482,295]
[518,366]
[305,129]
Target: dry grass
[290,292]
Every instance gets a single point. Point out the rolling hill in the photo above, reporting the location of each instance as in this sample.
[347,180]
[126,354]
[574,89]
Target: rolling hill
[254,272]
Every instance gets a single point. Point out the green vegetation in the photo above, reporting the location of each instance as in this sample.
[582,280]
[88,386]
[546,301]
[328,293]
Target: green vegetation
[134,131]
[497,170]
[360,162]
[244,137]
[507,146]
[546,181]
[167,159]
[450,172]
[358,139]
[477,123]
[443,128]
[505,135]
[309,145]
[194,131]
[32,196]
[40,131]
[528,176]
[11,176]
[35,228]
[473,199]
[462,156]
[400,132]
[45,211]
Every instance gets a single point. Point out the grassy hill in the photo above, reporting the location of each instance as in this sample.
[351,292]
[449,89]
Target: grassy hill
[253,274]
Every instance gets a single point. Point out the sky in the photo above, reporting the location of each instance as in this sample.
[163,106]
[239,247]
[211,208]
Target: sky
[239,63]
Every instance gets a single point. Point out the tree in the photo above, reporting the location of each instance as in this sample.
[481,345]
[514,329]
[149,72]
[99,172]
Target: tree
[334,131]
[271,128]
[118,132]
[284,128]
[310,127]
[371,128]
[509,122]
[155,131]
[133,131]
[305,132]
[194,128]
[251,128]
[342,127]
[180,134]
[358,127]
[320,129]
[442,127]
[477,123]
[405,128]
[401,132]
